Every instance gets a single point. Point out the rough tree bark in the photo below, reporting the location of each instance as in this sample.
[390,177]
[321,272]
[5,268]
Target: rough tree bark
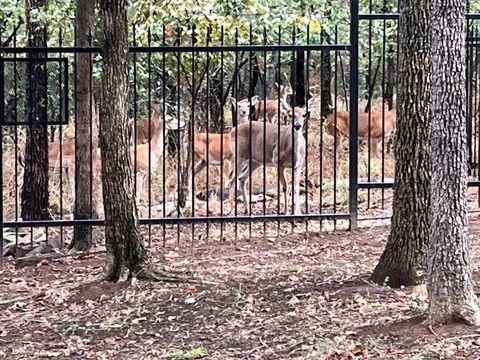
[126,253]
[403,261]
[85,121]
[450,287]
[35,182]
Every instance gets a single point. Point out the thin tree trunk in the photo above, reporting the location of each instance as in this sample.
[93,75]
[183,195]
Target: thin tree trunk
[403,261]
[86,127]
[326,80]
[390,79]
[125,248]
[450,287]
[215,104]
[298,78]
[35,183]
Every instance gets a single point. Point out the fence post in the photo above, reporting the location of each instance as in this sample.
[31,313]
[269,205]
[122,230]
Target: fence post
[353,142]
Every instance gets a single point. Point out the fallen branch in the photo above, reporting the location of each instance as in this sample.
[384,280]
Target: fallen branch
[462,337]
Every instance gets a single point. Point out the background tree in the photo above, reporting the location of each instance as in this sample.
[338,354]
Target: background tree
[125,248]
[35,181]
[403,261]
[86,123]
[450,287]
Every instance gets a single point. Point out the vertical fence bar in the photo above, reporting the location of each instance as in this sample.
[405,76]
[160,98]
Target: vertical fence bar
[222,131]
[353,131]
[234,123]
[164,111]
[307,126]
[384,66]
[2,112]
[179,155]
[279,67]
[150,137]
[207,131]
[264,103]
[15,84]
[192,131]
[135,115]
[335,142]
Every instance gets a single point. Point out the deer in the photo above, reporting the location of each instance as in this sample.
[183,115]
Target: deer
[213,148]
[378,131]
[212,151]
[243,107]
[285,147]
[145,154]
[271,107]
[142,131]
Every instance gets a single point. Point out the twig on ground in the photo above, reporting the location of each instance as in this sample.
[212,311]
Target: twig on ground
[431,330]
[462,337]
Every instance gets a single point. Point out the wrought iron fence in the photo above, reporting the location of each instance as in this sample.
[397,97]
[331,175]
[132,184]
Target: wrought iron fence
[289,98]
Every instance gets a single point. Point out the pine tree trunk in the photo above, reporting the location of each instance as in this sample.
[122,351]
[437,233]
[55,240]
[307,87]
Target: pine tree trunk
[35,182]
[124,243]
[403,261]
[449,275]
[86,127]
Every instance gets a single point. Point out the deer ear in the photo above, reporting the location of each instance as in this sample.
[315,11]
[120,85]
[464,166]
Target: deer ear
[276,84]
[232,100]
[255,99]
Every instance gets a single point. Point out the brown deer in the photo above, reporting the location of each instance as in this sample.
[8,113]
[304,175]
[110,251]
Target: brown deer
[374,130]
[285,147]
[148,154]
[270,107]
[142,131]
[212,151]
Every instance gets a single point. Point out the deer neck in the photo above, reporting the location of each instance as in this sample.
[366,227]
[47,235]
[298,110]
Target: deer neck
[283,95]
[156,144]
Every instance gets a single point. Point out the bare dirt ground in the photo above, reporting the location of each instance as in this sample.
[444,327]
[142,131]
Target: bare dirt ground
[279,298]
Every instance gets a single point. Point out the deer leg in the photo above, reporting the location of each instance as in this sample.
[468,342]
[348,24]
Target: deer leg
[296,189]
[283,188]
[374,144]
[243,178]
[199,166]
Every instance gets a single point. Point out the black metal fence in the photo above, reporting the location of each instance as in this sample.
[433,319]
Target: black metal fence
[289,96]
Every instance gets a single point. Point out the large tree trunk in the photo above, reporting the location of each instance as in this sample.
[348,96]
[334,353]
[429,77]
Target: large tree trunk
[449,276]
[35,183]
[403,261]
[124,243]
[86,127]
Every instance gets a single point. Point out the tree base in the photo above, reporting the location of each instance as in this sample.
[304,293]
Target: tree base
[468,313]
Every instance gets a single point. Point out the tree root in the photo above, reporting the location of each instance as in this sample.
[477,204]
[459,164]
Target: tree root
[153,273]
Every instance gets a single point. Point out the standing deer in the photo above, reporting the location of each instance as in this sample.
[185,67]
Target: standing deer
[271,107]
[378,130]
[142,125]
[152,150]
[285,147]
[213,152]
